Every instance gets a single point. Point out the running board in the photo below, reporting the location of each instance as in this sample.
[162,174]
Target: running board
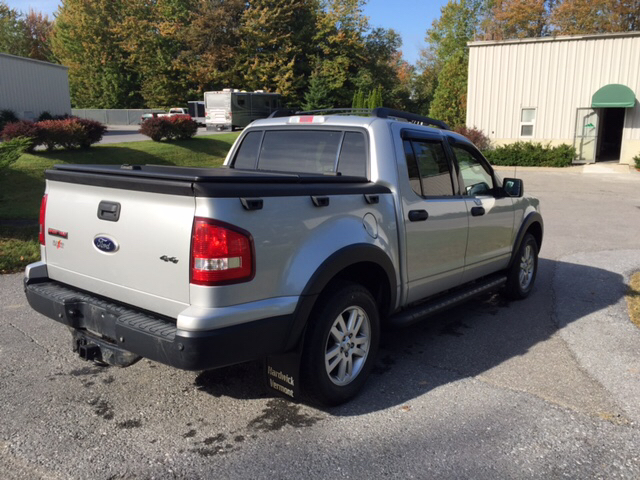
[415,314]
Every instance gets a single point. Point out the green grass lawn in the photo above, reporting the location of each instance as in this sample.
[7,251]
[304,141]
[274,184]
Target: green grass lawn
[22,185]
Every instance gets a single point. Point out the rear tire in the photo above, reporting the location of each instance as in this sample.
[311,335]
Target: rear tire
[523,271]
[341,344]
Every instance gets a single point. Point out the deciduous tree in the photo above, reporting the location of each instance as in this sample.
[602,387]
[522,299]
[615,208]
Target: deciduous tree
[276,38]
[100,75]
[572,17]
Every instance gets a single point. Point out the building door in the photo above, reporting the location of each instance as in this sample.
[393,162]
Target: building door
[610,137]
[586,138]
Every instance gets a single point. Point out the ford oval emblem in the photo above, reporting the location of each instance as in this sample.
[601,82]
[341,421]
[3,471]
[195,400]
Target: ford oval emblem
[106,244]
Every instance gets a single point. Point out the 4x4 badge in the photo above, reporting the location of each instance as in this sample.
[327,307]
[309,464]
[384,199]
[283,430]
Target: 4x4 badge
[169,259]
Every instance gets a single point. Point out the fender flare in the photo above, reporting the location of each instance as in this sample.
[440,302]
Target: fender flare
[530,219]
[338,261]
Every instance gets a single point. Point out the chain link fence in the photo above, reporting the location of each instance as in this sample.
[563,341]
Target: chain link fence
[112,116]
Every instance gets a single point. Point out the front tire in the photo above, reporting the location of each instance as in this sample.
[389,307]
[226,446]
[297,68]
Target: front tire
[341,344]
[524,269]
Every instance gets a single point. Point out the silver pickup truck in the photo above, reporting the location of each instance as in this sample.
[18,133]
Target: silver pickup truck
[319,231]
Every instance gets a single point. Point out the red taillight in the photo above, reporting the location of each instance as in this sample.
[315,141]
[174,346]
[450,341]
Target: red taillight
[43,212]
[220,253]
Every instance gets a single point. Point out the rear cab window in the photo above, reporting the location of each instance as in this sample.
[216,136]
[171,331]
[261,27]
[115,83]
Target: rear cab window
[304,151]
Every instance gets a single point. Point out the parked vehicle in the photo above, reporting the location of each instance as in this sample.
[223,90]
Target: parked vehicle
[319,230]
[147,116]
[176,112]
[196,110]
[232,108]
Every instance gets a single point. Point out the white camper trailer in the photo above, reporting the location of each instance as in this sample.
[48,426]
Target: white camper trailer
[232,108]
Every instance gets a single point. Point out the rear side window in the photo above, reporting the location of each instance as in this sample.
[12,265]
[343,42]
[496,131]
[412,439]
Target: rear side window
[429,172]
[304,151]
[353,156]
[247,155]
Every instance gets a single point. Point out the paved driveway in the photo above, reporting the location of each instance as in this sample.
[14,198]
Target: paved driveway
[542,388]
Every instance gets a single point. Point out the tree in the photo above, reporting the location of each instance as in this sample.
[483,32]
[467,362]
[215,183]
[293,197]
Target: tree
[573,17]
[100,75]
[340,47]
[276,36]
[151,34]
[518,19]
[318,96]
[447,41]
[212,40]
[37,30]
[11,34]
[450,99]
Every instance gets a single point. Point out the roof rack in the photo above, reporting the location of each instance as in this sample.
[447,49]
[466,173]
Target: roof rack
[380,112]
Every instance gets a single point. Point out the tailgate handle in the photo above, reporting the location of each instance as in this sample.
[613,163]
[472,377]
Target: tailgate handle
[319,201]
[252,203]
[109,211]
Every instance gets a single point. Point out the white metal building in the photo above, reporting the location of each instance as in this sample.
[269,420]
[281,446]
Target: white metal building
[580,90]
[30,87]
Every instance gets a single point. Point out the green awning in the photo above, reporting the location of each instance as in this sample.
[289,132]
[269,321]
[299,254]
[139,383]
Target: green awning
[613,96]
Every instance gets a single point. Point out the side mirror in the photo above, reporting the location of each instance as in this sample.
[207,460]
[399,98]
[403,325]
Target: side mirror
[513,187]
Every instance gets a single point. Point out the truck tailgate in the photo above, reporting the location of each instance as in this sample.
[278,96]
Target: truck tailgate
[141,259]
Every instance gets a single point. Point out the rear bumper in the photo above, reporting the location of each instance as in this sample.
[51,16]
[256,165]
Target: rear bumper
[119,327]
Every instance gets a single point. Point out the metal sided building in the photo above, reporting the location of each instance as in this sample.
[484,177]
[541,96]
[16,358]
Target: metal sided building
[580,90]
[30,87]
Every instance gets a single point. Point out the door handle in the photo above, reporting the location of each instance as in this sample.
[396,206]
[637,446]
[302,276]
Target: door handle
[418,215]
[477,211]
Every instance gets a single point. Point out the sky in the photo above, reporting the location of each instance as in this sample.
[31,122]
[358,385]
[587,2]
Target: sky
[410,18]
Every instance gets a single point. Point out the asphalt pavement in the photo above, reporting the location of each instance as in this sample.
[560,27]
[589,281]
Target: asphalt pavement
[541,388]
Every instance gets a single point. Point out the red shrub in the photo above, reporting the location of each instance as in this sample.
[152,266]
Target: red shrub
[170,128]
[184,127]
[93,131]
[476,136]
[25,129]
[70,133]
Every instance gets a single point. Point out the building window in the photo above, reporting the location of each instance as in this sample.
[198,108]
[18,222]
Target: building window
[527,122]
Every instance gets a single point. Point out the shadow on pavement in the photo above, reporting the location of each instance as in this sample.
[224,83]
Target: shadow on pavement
[463,342]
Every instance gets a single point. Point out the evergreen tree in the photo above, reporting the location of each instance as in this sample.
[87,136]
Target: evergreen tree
[318,95]
[450,99]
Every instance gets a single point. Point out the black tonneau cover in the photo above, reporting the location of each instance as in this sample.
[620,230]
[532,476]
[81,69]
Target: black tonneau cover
[211,182]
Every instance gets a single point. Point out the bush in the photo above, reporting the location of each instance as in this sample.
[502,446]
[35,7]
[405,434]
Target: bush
[476,136]
[24,129]
[636,159]
[45,116]
[93,129]
[180,128]
[525,154]
[184,127]
[7,116]
[11,150]
[70,133]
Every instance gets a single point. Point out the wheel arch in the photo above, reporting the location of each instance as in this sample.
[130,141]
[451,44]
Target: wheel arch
[364,264]
[532,224]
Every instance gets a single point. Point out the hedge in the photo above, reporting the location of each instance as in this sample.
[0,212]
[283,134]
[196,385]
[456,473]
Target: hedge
[180,128]
[525,154]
